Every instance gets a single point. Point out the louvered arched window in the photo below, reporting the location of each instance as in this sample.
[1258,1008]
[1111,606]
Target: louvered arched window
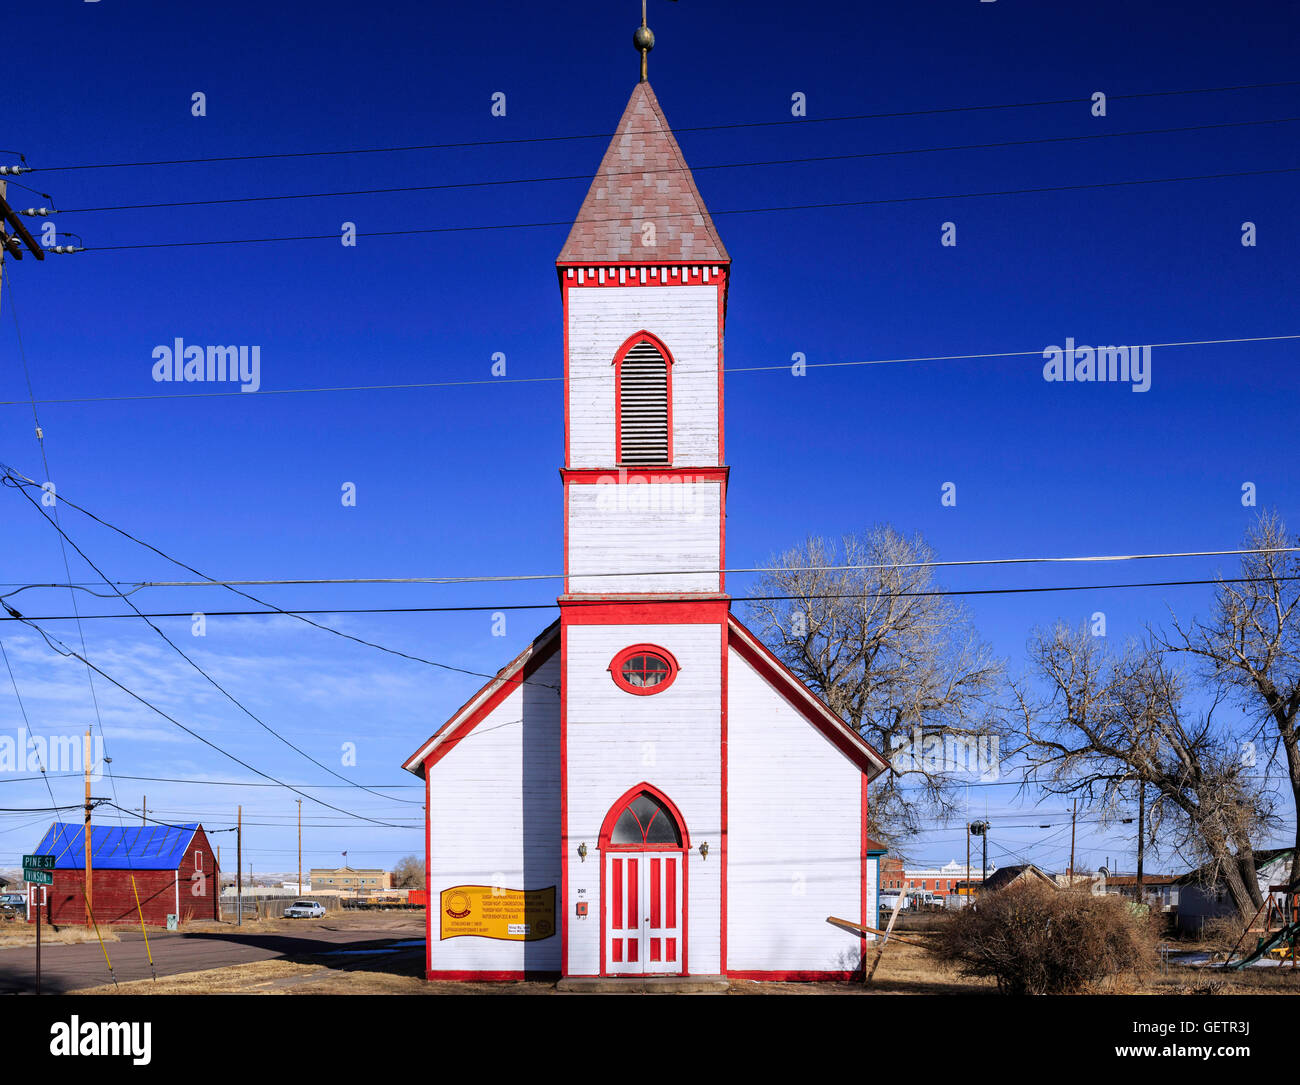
[643,402]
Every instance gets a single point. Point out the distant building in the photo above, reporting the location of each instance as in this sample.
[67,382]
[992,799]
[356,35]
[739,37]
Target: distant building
[167,869]
[1017,875]
[939,881]
[1083,879]
[1202,896]
[1158,890]
[347,880]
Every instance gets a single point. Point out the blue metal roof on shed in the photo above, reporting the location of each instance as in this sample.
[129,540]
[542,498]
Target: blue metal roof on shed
[152,847]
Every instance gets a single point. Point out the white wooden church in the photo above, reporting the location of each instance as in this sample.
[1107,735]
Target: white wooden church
[646,788]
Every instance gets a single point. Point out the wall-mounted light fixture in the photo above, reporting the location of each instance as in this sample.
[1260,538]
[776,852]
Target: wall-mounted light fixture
[704,850]
[582,851]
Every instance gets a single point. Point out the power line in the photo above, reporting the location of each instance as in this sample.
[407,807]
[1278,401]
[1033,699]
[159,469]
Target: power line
[62,649]
[190,780]
[696,128]
[81,634]
[136,585]
[180,652]
[414,385]
[827,205]
[705,600]
[800,160]
[15,481]
[263,824]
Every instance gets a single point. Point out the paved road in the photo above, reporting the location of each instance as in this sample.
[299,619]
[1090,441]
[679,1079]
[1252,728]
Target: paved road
[68,967]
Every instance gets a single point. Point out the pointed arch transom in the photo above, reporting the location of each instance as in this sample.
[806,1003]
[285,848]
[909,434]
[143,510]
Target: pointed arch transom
[644,818]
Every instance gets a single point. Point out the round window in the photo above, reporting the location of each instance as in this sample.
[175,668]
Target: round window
[643,669]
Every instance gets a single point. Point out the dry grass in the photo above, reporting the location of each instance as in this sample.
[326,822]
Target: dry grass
[241,979]
[905,968]
[24,934]
[285,977]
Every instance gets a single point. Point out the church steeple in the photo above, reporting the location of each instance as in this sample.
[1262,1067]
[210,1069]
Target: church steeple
[643,206]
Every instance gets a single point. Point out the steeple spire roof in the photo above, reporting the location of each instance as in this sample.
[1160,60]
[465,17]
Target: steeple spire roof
[643,179]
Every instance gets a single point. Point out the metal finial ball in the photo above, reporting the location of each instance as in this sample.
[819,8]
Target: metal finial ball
[643,39]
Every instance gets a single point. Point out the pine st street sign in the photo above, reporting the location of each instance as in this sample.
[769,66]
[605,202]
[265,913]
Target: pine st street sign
[36,869]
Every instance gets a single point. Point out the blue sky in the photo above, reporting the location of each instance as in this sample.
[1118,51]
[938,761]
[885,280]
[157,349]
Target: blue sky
[462,481]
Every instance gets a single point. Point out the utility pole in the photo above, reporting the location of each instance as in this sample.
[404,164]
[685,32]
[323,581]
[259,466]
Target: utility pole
[8,241]
[968,885]
[239,867]
[300,888]
[1074,814]
[1142,812]
[981,829]
[90,892]
[144,810]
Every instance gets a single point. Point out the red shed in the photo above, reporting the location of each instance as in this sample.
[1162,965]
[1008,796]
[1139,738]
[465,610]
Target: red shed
[173,868]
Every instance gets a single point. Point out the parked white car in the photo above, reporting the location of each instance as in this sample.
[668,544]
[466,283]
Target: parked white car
[304,909]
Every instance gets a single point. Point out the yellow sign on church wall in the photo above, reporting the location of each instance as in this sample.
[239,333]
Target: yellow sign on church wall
[488,911]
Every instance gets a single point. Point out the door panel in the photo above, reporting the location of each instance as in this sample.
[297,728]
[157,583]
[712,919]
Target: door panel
[643,913]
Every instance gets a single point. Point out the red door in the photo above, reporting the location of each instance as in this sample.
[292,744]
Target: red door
[643,912]
[644,847]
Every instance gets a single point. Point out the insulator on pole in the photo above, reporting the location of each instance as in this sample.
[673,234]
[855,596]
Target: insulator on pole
[66,248]
[38,212]
[12,170]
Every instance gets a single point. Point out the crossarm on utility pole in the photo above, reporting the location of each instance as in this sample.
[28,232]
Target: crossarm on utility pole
[11,217]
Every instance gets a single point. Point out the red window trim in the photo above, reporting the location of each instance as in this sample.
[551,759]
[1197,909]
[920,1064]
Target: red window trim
[616,669]
[641,337]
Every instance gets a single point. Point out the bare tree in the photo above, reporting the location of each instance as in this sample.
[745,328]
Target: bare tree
[862,624]
[409,873]
[1108,721]
[1249,650]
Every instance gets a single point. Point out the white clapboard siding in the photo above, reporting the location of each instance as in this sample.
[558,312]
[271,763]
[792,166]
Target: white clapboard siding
[685,319]
[646,530]
[494,819]
[671,740]
[793,835]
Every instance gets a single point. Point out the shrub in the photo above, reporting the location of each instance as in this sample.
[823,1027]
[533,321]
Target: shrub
[1223,932]
[1034,939]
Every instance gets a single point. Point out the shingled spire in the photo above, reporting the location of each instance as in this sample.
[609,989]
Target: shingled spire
[643,179]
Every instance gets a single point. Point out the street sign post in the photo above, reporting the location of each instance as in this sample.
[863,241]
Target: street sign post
[37,870]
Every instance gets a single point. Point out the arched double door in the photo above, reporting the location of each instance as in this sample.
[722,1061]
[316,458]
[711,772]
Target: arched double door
[643,847]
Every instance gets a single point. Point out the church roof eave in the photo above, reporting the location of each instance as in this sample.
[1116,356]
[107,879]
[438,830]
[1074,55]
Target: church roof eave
[841,735]
[514,673]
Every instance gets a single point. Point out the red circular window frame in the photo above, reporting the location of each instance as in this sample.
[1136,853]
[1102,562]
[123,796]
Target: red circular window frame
[616,669]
